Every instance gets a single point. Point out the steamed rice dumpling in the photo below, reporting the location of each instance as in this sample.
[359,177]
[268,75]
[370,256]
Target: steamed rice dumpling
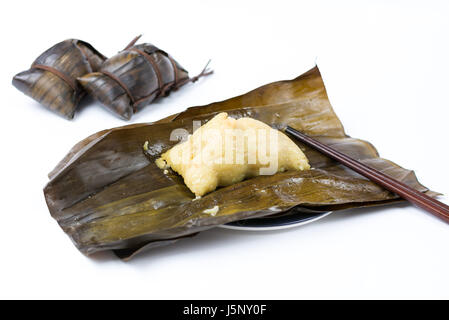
[135,77]
[51,80]
[225,151]
[108,194]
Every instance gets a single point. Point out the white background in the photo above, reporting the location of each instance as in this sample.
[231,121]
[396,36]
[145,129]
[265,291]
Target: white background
[385,66]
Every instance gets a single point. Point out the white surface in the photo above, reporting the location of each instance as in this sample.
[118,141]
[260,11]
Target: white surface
[385,66]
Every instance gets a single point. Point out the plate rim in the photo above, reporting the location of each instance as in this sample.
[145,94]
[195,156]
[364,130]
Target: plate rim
[277,227]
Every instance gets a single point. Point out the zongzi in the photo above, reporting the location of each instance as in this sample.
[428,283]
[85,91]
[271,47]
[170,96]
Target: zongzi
[225,151]
[51,80]
[135,77]
[108,194]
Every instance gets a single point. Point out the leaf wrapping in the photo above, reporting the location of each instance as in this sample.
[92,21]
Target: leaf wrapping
[51,80]
[135,77]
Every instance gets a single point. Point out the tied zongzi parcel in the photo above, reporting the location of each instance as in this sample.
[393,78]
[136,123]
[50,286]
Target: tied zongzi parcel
[51,80]
[225,151]
[135,77]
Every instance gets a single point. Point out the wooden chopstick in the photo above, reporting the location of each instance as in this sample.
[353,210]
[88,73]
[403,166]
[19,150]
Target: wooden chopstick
[416,197]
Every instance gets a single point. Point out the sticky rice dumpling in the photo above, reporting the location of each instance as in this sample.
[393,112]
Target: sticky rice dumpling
[225,151]
[51,79]
[134,78]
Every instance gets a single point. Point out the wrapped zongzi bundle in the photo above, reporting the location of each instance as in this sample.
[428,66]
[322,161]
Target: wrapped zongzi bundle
[51,80]
[134,77]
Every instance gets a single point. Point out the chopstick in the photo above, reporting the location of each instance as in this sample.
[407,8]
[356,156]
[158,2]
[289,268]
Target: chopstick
[416,197]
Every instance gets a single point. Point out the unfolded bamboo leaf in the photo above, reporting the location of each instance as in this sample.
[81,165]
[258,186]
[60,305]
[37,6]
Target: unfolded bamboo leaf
[108,194]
